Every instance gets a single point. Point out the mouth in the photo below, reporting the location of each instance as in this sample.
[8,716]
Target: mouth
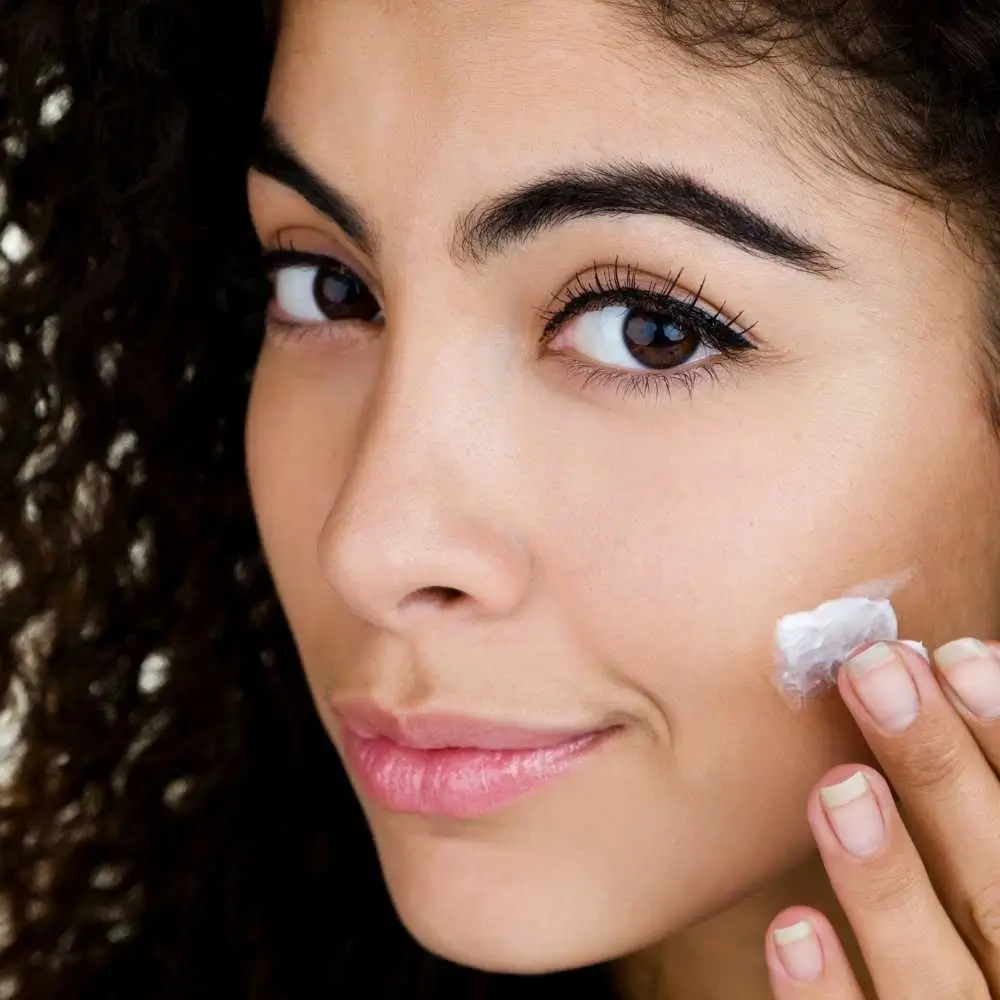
[455,766]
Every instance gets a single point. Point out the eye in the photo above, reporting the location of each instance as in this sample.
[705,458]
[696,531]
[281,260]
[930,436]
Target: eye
[309,289]
[626,324]
[318,294]
[639,339]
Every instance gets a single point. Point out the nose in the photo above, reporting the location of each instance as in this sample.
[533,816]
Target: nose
[423,525]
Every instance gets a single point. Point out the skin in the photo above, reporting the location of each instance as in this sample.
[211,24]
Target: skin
[615,557]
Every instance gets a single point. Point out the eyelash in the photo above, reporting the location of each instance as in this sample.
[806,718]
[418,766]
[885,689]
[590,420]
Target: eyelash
[599,286]
[623,285]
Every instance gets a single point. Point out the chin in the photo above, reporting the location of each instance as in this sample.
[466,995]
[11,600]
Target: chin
[504,908]
[522,934]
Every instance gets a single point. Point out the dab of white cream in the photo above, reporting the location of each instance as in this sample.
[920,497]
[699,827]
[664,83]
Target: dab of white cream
[811,645]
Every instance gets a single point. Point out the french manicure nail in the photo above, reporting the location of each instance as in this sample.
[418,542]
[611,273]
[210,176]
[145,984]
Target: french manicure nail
[799,950]
[854,815]
[973,673]
[883,683]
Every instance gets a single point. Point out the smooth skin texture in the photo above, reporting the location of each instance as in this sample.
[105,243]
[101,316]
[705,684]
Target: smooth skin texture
[458,517]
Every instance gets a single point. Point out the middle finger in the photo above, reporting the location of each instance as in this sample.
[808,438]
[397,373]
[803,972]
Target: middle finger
[947,787]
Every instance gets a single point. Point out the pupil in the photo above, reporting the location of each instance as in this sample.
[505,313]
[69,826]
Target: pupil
[658,342]
[336,290]
[343,296]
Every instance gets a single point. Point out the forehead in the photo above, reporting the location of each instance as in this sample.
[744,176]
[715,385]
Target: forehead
[387,92]
[405,24]
[444,50]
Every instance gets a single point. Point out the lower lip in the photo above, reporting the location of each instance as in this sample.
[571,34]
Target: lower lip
[456,782]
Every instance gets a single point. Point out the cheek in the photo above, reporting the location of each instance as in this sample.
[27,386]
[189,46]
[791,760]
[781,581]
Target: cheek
[723,519]
[670,550]
[298,447]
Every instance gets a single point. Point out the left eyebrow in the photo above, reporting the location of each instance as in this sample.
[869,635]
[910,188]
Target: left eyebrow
[633,189]
[554,199]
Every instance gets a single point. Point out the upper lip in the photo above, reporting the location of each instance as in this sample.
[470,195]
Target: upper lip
[435,730]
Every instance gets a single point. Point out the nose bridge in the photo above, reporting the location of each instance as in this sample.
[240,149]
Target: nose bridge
[413,525]
[424,412]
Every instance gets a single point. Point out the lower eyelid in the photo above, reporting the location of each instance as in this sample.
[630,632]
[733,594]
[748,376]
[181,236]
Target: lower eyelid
[643,384]
[342,334]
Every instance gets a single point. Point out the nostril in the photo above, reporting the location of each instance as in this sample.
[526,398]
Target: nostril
[446,595]
[436,595]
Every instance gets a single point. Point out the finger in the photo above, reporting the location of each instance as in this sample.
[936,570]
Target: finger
[969,672]
[806,961]
[947,788]
[910,945]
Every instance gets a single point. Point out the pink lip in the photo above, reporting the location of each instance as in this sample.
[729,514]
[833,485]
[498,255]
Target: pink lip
[447,765]
[438,730]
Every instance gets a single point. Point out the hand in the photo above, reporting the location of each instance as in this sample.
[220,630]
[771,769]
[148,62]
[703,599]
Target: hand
[927,920]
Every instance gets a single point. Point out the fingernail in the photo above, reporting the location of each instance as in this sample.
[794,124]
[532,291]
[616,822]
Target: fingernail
[799,950]
[855,815]
[883,683]
[973,673]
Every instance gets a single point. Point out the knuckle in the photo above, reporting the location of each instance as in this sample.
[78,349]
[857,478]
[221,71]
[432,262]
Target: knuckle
[971,990]
[886,890]
[972,987]
[984,914]
[930,763]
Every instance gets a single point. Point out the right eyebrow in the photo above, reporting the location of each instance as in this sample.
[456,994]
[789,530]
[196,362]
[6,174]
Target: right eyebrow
[275,157]
[613,189]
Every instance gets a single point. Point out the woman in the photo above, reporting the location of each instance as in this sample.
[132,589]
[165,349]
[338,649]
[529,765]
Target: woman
[599,336]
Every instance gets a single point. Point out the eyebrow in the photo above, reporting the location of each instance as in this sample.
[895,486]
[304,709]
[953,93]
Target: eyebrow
[274,156]
[514,218]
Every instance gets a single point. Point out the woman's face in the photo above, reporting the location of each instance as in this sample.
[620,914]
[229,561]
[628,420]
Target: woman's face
[561,458]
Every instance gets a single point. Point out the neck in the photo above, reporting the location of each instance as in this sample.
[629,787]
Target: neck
[722,958]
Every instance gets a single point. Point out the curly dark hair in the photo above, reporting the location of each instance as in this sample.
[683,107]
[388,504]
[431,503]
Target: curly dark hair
[175,822]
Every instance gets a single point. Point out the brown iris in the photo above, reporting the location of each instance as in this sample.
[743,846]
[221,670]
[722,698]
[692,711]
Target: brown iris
[341,295]
[659,342]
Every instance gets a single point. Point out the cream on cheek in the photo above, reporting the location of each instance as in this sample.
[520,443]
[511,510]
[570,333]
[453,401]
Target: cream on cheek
[811,645]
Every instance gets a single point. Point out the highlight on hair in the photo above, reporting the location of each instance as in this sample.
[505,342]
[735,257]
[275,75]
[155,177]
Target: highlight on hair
[173,819]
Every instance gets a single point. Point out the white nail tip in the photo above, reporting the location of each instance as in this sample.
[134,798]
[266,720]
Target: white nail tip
[790,935]
[959,651]
[847,791]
